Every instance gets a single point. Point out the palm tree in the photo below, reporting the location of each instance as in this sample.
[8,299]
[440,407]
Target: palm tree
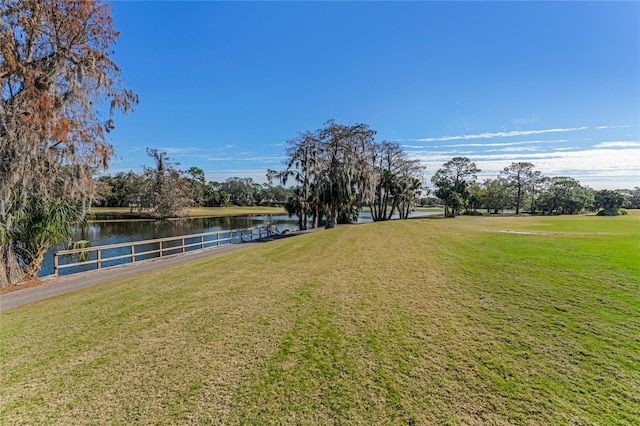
[40,225]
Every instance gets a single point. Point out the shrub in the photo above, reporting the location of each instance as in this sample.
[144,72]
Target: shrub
[613,211]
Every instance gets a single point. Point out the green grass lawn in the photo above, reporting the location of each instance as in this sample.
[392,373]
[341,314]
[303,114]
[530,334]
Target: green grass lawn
[474,320]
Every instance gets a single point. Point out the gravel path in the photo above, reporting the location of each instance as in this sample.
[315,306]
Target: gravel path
[58,285]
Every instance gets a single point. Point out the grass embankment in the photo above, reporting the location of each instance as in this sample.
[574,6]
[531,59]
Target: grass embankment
[425,321]
[125,212]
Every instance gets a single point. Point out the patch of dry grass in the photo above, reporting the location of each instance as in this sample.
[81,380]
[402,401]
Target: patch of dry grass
[414,322]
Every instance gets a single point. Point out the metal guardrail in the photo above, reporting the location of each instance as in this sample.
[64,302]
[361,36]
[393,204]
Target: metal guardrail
[138,251]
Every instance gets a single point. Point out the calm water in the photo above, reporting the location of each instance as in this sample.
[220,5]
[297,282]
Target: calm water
[112,232]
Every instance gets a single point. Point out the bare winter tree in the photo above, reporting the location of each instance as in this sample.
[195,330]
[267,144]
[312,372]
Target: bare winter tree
[59,90]
[165,191]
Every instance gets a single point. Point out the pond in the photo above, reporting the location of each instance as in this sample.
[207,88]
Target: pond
[103,232]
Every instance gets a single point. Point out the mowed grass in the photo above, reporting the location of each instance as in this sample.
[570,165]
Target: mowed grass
[426,321]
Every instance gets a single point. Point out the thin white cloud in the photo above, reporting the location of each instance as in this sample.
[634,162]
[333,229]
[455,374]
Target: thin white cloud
[263,159]
[611,127]
[599,168]
[621,144]
[500,143]
[176,151]
[258,175]
[514,149]
[218,158]
[498,134]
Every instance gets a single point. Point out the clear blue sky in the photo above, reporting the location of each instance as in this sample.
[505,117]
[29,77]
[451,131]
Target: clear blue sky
[223,85]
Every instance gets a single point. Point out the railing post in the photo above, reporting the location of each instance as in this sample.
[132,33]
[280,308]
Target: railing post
[218,239]
[99,258]
[201,241]
[133,253]
[183,245]
[160,248]
[55,264]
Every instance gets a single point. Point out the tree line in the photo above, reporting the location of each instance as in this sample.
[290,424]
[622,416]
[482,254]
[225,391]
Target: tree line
[164,191]
[519,186]
[338,170]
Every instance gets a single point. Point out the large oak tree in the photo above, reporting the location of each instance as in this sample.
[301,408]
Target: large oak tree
[59,90]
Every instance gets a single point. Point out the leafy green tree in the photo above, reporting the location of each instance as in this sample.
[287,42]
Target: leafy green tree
[274,195]
[398,182]
[520,177]
[56,74]
[197,185]
[119,190]
[453,181]
[242,191]
[474,200]
[43,224]
[609,201]
[631,198]
[495,195]
[224,198]
[565,195]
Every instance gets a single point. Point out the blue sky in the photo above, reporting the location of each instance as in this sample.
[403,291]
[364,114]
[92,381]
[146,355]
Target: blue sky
[223,85]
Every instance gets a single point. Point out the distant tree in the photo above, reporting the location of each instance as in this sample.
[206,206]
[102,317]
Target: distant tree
[56,74]
[538,183]
[197,185]
[565,195]
[242,191]
[165,190]
[495,195]
[631,198]
[474,200]
[211,193]
[119,190]
[274,195]
[428,201]
[452,182]
[609,201]
[520,177]
[224,198]
[398,181]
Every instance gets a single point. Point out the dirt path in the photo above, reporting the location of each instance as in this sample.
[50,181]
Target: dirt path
[54,286]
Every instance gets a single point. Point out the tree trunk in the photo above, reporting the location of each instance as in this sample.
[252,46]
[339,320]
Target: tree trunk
[332,218]
[10,271]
